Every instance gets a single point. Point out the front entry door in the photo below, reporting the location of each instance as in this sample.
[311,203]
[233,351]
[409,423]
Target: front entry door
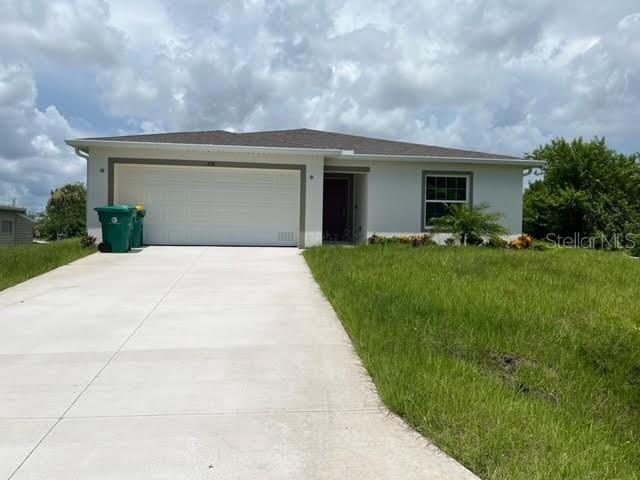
[336,210]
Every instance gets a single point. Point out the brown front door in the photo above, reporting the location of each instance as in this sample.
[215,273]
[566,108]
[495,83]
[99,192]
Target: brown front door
[336,213]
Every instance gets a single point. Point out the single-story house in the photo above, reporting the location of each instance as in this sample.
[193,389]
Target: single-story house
[16,228]
[291,187]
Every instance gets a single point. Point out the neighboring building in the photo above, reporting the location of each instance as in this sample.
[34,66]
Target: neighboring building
[16,228]
[291,187]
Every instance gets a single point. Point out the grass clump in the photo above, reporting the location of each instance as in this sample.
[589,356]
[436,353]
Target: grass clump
[22,262]
[520,364]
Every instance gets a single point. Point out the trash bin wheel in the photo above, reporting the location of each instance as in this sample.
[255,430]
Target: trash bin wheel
[104,247]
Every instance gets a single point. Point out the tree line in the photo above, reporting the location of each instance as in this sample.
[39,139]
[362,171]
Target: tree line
[587,190]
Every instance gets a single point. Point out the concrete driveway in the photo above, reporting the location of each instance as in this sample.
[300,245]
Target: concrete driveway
[191,363]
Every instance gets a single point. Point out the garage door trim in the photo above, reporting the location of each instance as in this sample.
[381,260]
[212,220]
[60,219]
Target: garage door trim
[302,168]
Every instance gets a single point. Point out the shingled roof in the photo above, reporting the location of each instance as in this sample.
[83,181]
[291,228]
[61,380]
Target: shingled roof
[306,138]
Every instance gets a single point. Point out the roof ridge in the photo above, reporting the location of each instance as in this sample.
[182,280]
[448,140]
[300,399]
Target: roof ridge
[375,138]
[284,130]
[327,132]
[342,134]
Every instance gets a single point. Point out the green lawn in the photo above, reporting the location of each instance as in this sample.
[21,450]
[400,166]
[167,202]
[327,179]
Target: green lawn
[520,364]
[20,263]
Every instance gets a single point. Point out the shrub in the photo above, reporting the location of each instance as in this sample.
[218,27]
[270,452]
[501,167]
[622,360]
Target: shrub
[450,242]
[469,224]
[523,242]
[379,240]
[413,240]
[417,240]
[87,240]
[496,242]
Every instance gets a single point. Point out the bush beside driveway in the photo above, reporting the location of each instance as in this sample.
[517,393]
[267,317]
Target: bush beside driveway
[520,364]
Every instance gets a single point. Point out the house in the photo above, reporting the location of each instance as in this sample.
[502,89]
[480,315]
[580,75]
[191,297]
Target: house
[291,187]
[16,228]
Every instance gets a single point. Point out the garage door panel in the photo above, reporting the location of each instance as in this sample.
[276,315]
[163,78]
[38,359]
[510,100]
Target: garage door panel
[202,196]
[213,206]
[176,196]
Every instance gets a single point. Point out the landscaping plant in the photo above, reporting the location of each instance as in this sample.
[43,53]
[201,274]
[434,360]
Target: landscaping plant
[496,242]
[523,242]
[413,240]
[469,224]
[87,240]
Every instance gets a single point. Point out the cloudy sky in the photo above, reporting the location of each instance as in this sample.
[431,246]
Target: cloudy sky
[500,76]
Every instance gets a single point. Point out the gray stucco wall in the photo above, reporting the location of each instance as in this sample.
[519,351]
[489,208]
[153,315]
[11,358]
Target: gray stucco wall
[394,198]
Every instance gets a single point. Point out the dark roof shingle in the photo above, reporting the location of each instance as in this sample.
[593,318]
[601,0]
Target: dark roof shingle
[306,138]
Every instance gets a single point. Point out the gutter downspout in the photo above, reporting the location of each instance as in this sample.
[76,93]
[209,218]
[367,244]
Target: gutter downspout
[81,153]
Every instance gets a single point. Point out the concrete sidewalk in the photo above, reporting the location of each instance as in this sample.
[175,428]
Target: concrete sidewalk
[191,363]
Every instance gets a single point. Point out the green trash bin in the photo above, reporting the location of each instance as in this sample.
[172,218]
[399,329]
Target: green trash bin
[138,226]
[116,221]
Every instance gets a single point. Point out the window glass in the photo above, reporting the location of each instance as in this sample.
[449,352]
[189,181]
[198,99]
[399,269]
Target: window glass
[435,210]
[442,191]
[7,226]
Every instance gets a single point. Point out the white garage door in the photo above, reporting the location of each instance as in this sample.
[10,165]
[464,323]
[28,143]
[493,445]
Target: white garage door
[213,205]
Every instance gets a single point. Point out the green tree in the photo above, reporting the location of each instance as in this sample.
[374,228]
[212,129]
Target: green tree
[587,189]
[65,214]
[469,223]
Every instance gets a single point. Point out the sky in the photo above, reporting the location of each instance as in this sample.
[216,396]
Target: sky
[498,76]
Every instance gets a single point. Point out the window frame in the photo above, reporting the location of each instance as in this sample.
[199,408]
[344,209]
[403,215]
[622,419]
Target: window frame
[6,222]
[443,173]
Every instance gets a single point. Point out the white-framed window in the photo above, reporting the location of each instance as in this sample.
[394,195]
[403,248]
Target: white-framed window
[441,190]
[6,226]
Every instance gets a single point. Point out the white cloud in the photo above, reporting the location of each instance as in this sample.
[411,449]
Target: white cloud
[71,32]
[480,70]
[33,157]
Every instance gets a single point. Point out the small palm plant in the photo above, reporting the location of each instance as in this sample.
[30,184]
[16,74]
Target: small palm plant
[469,222]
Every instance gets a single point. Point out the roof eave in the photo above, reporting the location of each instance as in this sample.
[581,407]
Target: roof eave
[24,215]
[433,158]
[9,208]
[85,145]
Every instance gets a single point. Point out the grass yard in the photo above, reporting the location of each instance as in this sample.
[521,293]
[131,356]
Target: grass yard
[519,364]
[22,262]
